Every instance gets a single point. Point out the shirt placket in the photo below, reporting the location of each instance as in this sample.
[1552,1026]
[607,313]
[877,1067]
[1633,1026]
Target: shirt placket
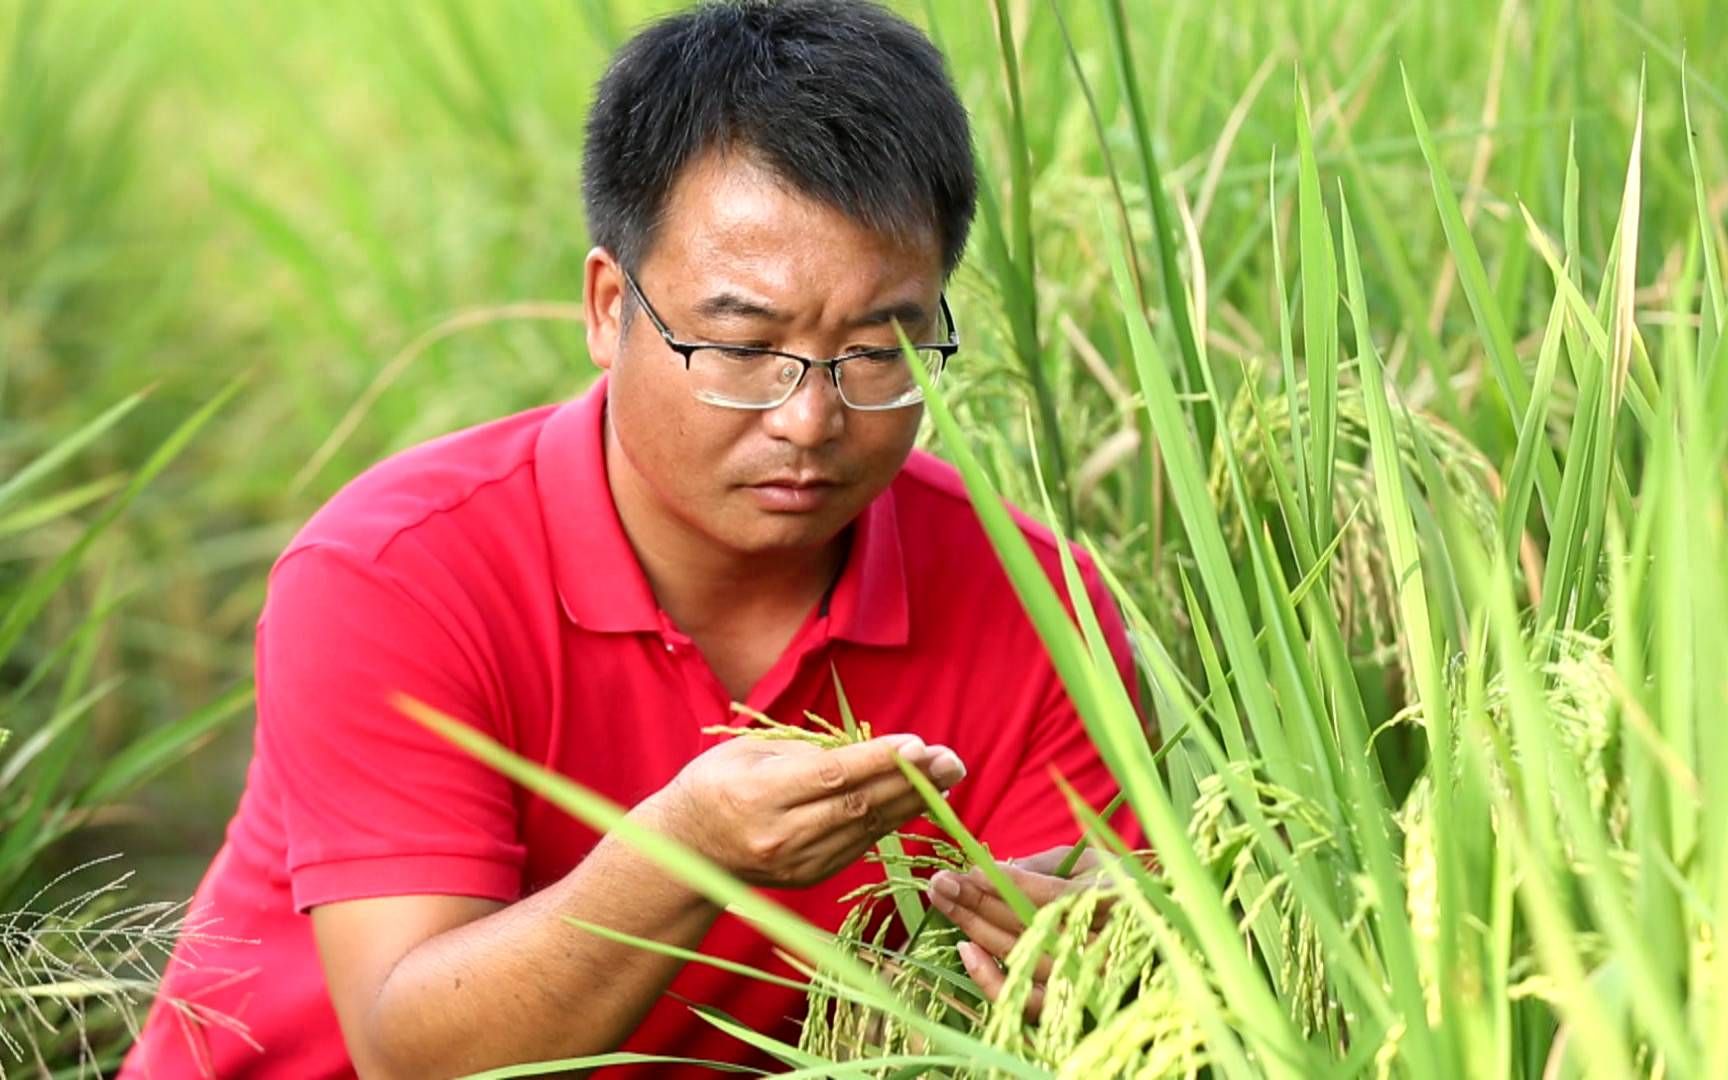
[779,678]
[706,697]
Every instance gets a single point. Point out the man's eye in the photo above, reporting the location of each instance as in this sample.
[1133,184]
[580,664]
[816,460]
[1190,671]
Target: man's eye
[742,352]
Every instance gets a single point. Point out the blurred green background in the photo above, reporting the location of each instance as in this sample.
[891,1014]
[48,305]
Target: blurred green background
[371,211]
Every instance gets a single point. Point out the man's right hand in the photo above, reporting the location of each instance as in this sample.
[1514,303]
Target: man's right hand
[786,814]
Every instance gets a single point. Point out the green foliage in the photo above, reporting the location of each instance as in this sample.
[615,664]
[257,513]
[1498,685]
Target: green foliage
[77,962]
[75,971]
[1528,887]
[1430,584]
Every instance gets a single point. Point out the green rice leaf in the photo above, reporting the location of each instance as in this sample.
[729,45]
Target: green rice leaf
[778,1048]
[1163,223]
[690,956]
[1532,435]
[1490,321]
[566,1066]
[1300,526]
[1320,325]
[1417,634]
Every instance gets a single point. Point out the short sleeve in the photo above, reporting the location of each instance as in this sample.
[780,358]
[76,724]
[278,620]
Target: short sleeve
[373,803]
[1033,815]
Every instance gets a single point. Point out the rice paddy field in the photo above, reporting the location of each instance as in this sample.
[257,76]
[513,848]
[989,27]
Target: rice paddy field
[1378,349]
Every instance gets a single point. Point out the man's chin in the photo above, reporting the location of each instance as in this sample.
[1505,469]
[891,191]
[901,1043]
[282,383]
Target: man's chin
[762,533]
[789,538]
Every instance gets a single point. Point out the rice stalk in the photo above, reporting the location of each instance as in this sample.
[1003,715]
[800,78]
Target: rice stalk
[76,975]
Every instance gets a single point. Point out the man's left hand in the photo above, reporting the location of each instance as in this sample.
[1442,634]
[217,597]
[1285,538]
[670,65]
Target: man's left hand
[974,905]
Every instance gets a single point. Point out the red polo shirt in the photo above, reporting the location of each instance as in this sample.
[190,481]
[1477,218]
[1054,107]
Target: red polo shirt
[487,574]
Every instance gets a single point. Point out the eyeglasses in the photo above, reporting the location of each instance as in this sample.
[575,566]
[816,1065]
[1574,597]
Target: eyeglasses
[744,377]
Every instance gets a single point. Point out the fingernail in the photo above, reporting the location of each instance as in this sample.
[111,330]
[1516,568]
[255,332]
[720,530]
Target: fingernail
[909,747]
[947,768]
[946,886]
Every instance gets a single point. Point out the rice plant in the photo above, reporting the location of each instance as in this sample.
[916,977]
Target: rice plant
[77,964]
[1534,888]
[1389,395]
[77,975]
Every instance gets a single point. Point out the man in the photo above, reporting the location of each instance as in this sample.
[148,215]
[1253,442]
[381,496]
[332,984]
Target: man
[733,512]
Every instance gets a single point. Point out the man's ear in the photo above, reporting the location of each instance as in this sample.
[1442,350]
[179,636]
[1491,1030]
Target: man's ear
[603,306]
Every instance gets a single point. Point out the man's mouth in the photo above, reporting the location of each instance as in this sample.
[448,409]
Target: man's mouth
[791,493]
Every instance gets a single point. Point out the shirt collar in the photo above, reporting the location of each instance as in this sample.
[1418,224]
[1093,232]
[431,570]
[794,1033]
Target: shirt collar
[600,583]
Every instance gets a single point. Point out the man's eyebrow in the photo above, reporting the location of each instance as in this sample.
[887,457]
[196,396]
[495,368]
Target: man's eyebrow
[732,306]
[729,305]
[907,313]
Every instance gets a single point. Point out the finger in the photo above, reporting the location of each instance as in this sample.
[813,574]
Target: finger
[901,810]
[801,778]
[1041,889]
[874,807]
[831,854]
[1090,862]
[1045,862]
[839,833]
[986,920]
[1045,890]
[811,777]
[836,847]
[965,893]
[975,890]
[984,970]
[1050,860]
[982,915]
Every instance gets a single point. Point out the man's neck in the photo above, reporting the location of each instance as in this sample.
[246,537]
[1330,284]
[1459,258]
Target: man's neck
[702,590]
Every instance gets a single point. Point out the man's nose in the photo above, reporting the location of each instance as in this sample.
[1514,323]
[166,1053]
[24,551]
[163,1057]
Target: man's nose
[813,415]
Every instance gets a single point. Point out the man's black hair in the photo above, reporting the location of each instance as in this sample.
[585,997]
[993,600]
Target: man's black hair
[842,99]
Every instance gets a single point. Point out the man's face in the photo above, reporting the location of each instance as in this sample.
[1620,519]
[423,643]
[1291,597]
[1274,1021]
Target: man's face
[741,259]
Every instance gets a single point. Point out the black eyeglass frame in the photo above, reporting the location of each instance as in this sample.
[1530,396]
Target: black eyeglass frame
[686,349]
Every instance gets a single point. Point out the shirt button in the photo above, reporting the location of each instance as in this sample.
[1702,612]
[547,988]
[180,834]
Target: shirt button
[671,648]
